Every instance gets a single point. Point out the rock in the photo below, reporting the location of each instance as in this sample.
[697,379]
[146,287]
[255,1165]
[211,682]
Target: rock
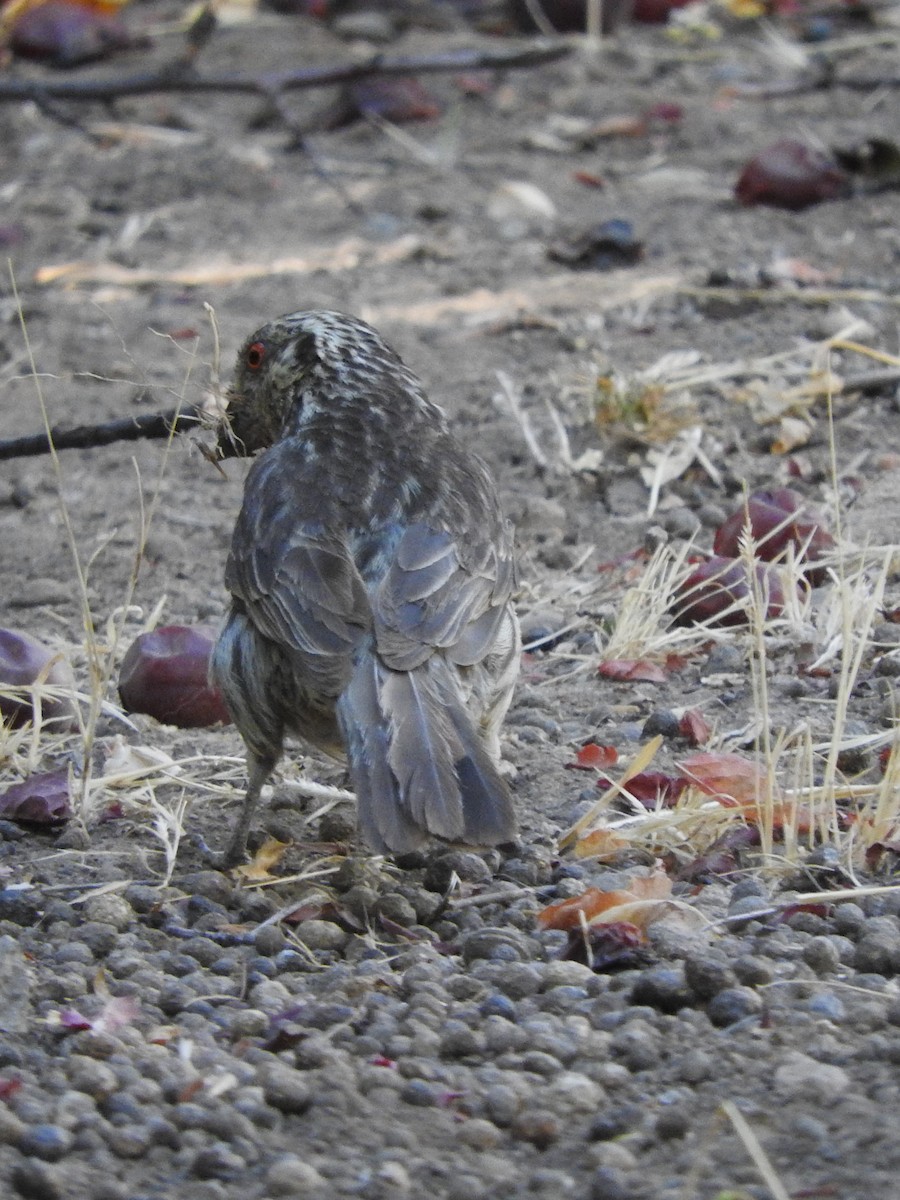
[799,1077]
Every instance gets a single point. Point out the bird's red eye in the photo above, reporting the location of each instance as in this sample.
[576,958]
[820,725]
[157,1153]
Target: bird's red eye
[256,352]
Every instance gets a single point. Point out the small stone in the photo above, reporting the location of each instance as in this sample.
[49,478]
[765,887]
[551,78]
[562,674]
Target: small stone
[672,1123]
[34,1180]
[822,955]
[130,1141]
[470,868]
[800,1077]
[45,1141]
[420,1093]
[636,1045]
[661,988]
[848,919]
[217,1161]
[501,945]
[612,1154]
[269,941]
[502,1103]
[248,1023]
[92,1077]
[696,1066]
[707,975]
[747,906]
[16,983]
[458,1040]
[397,909]
[321,935]
[479,1134]
[826,1005]
[664,722]
[564,973]
[614,1122]
[202,949]
[538,1126]
[576,1092]
[732,1005]
[498,1005]
[291,1176]
[286,1090]
[518,979]
[110,910]
[752,971]
[608,1183]
[876,953]
[394,1176]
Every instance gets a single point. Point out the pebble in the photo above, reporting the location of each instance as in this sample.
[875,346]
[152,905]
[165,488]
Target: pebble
[801,1077]
[732,1005]
[540,1127]
[321,935]
[822,955]
[286,1090]
[479,1134]
[707,975]
[289,1175]
[45,1141]
[609,1183]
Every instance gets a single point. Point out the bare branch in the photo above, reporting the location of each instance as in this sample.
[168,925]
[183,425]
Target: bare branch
[181,77]
[82,437]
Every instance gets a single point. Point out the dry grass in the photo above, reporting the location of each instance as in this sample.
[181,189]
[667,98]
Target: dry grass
[144,782]
[802,797]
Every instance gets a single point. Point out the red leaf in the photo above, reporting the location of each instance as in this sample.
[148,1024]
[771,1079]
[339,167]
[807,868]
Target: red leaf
[653,788]
[632,670]
[721,858]
[594,902]
[65,32]
[694,727]
[165,674]
[592,755]
[776,519]
[665,111]
[733,780]
[71,1018]
[790,174]
[589,179]
[41,799]
[716,593]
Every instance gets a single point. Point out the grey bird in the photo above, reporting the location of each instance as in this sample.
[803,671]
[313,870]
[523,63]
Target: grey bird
[371,574]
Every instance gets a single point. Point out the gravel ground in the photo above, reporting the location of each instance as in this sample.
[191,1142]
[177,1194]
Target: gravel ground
[167,1048]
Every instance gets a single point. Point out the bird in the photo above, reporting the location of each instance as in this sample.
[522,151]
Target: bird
[372,580]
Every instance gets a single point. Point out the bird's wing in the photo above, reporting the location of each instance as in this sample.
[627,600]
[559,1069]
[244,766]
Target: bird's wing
[296,581]
[438,594]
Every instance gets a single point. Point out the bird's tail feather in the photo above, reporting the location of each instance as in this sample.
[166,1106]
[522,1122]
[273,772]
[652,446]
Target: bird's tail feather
[418,764]
[384,823]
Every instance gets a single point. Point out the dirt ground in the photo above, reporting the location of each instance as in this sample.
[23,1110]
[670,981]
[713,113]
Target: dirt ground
[121,241]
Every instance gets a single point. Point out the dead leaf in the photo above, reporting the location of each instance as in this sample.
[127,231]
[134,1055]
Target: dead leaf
[602,845]
[42,799]
[632,670]
[633,905]
[267,857]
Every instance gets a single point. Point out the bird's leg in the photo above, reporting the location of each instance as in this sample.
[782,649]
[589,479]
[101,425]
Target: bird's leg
[259,770]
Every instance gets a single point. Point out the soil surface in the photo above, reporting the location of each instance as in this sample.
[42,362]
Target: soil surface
[165,1033]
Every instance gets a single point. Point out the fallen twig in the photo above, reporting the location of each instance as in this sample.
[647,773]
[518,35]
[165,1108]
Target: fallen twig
[82,437]
[180,77]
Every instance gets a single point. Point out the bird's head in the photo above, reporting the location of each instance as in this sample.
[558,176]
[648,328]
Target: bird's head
[297,365]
